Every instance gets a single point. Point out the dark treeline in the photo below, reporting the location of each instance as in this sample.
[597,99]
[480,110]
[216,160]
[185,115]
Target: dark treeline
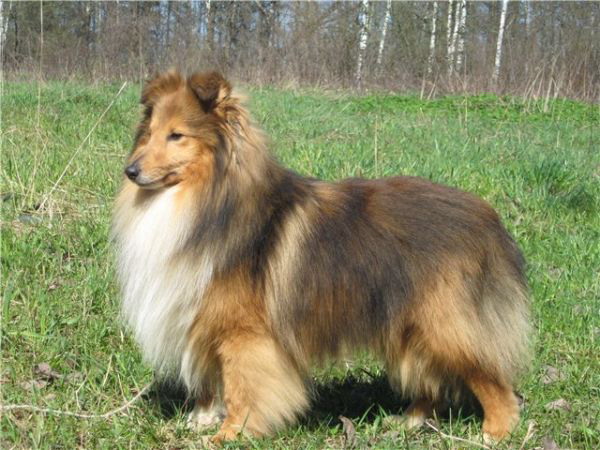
[548,49]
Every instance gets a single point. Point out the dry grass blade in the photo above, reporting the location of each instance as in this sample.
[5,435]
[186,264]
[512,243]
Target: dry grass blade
[454,438]
[75,153]
[105,415]
[349,432]
[529,435]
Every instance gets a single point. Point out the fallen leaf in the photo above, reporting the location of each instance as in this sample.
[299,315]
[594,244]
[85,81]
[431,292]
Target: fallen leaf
[560,404]
[74,376]
[34,384]
[551,375]
[29,219]
[555,272]
[549,444]
[44,371]
[579,310]
[391,435]
[349,432]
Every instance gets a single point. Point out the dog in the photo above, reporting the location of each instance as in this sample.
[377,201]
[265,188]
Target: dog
[238,274]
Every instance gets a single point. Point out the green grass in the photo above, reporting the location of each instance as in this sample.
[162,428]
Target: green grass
[538,164]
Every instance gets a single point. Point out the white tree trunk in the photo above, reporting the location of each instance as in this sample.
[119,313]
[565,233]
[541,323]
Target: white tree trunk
[207,16]
[528,17]
[363,20]
[496,73]
[432,40]
[386,22]
[3,28]
[454,37]
[460,46]
[449,55]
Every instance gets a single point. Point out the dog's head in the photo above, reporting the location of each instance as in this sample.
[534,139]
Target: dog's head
[178,138]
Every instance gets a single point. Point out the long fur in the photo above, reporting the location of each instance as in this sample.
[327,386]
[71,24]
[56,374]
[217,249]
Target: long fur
[238,274]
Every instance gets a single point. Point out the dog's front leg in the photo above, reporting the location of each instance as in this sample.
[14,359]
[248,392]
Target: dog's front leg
[209,409]
[262,388]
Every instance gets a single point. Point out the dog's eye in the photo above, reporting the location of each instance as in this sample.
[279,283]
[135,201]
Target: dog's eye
[174,136]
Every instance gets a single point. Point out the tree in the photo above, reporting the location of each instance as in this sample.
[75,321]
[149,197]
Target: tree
[266,41]
[449,48]
[363,22]
[432,39]
[3,29]
[386,22]
[460,46]
[528,17]
[498,59]
[454,37]
[208,24]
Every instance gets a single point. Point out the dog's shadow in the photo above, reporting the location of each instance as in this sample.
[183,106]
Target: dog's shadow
[358,399]
[355,398]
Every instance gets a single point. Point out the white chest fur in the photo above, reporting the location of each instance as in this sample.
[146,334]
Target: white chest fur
[161,286]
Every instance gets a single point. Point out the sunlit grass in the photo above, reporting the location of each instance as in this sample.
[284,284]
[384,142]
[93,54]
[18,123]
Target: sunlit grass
[538,164]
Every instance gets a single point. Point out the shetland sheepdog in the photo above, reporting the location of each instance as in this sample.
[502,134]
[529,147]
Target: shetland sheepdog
[238,274]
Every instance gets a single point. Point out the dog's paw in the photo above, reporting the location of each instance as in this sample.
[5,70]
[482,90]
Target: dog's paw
[224,435]
[203,418]
[405,421]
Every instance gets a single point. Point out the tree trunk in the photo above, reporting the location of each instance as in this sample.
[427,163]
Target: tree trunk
[16,33]
[168,28]
[496,73]
[528,17]
[386,22]
[460,47]
[363,20]
[432,40]
[449,50]
[453,40]
[208,25]
[3,27]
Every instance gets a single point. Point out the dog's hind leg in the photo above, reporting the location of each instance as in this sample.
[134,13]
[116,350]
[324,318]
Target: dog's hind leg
[262,388]
[500,406]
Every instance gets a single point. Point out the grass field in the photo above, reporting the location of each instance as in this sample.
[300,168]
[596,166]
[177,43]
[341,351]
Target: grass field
[63,345]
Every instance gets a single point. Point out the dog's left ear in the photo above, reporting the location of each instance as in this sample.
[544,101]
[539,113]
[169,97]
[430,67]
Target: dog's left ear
[159,85]
[210,88]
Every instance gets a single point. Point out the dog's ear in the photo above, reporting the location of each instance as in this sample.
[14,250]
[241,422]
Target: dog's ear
[210,88]
[159,85]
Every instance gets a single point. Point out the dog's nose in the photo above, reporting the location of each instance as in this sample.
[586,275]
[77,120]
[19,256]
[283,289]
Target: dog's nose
[132,171]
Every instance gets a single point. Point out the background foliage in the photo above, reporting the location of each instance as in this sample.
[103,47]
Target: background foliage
[550,48]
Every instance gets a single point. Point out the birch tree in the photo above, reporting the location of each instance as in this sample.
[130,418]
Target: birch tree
[208,24]
[454,37]
[449,51]
[528,17]
[498,59]
[3,28]
[168,25]
[386,22]
[363,21]
[460,46]
[432,39]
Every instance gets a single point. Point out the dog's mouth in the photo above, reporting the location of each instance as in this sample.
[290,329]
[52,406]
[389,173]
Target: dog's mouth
[145,182]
